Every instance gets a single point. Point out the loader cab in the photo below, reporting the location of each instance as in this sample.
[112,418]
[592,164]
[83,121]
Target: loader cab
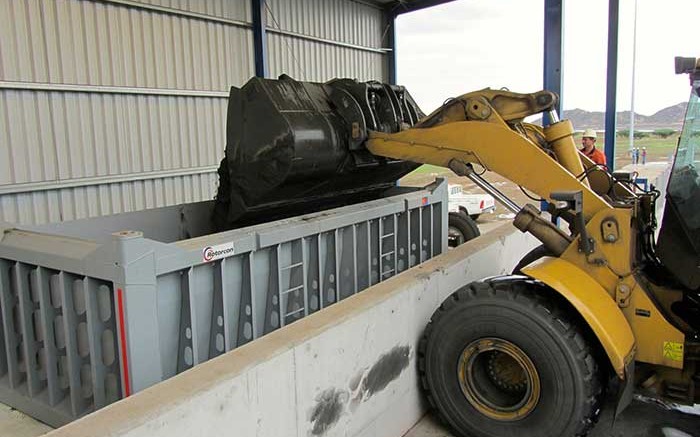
[678,244]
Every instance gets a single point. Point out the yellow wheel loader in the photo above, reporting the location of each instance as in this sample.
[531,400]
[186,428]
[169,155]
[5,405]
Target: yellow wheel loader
[531,354]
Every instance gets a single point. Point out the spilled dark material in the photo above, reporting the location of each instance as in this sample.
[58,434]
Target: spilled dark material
[331,403]
[386,369]
[329,407]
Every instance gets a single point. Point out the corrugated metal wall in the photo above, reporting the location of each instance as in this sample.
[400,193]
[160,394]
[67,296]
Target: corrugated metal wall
[117,105]
[357,26]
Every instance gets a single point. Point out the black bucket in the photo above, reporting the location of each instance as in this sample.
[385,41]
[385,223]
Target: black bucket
[295,147]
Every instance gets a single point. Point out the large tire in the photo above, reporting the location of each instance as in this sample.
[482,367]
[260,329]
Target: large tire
[460,229]
[497,359]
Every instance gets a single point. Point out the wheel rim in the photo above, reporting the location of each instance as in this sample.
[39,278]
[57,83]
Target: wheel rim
[498,379]
[454,237]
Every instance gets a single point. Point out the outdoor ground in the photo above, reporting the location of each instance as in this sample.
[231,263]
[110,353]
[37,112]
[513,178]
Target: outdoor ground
[642,418]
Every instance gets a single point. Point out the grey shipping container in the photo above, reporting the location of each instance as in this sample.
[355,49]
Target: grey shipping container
[94,310]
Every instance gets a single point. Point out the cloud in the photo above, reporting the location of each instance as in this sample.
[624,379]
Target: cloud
[466,45]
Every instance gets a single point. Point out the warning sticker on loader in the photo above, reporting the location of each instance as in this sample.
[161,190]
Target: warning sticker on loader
[673,350]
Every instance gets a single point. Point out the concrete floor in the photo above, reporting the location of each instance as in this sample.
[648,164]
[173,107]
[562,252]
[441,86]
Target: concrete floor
[641,419]
[16,424]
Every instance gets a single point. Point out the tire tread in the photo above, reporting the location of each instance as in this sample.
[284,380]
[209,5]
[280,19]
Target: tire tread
[551,310]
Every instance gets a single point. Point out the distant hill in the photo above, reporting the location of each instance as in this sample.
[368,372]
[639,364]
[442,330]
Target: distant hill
[671,117]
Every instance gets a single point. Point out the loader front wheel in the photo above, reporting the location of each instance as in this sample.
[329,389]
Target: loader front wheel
[498,359]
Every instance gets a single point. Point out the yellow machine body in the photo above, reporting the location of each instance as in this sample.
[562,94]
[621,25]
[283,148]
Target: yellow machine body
[593,302]
[486,128]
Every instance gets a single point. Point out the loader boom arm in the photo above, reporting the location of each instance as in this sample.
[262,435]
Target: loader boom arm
[486,127]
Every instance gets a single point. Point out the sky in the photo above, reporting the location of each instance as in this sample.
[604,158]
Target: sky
[467,45]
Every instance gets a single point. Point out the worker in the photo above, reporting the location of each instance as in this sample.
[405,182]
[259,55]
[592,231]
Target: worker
[588,143]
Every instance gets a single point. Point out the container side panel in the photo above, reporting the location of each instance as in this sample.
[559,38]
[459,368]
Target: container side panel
[346,268]
[437,228]
[30,343]
[48,317]
[187,346]
[375,250]
[294,293]
[402,241]
[328,253]
[265,280]
[426,233]
[201,296]
[279,254]
[232,290]
[170,301]
[62,342]
[312,269]
[216,331]
[8,306]
[72,361]
[415,236]
[247,286]
[387,243]
[106,321]
[362,255]
[95,346]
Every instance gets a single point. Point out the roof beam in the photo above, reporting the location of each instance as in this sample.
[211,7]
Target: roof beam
[390,19]
[260,37]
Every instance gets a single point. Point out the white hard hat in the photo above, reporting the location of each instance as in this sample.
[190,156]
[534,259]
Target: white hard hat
[590,133]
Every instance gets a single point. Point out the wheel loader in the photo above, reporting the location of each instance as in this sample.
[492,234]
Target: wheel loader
[532,354]
[608,304]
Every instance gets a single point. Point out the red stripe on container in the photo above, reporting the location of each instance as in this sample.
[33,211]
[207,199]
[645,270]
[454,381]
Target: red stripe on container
[122,336]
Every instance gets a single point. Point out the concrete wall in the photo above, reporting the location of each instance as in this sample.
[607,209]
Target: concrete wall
[347,371]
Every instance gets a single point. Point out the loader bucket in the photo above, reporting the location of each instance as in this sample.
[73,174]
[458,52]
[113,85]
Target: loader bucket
[293,147]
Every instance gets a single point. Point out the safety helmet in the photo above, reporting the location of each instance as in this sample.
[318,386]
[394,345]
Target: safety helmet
[590,133]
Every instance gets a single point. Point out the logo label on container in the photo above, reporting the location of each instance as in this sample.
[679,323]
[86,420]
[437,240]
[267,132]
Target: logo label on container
[211,253]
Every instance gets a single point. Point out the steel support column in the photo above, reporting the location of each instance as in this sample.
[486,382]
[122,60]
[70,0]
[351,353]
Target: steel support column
[611,88]
[260,37]
[553,49]
[390,19]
